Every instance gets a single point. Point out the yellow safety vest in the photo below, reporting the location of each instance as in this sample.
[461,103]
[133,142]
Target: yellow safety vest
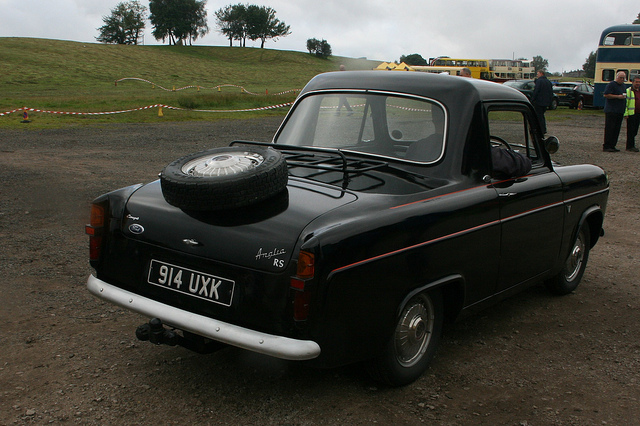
[631,103]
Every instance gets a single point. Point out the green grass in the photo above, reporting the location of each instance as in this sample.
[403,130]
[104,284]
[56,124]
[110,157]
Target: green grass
[80,77]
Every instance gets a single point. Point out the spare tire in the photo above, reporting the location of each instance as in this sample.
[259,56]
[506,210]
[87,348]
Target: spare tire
[224,178]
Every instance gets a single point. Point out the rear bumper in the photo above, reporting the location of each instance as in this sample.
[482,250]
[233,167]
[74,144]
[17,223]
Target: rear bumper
[269,344]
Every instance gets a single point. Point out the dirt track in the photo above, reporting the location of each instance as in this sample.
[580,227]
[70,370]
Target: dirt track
[66,357]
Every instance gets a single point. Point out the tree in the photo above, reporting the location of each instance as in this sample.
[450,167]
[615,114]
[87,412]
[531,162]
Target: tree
[178,20]
[124,25]
[589,66]
[637,21]
[413,59]
[320,48]
[239,22]
[231,21]
[262,24]
[539,63]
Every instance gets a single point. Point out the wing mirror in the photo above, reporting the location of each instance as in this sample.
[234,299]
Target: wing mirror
[551,144]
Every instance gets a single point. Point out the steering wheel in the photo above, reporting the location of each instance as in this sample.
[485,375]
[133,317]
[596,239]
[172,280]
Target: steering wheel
[500,141]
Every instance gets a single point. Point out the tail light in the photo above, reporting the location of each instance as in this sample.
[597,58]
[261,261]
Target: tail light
[301,293]
[95,230]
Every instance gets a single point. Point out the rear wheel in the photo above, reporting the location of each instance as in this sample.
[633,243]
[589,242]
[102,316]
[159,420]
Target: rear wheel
[554,104]
[576,263]
[413,343]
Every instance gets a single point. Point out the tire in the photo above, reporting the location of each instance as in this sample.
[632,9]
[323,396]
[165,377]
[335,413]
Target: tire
[413,344]
[224,178]
[554,104]
[574,266]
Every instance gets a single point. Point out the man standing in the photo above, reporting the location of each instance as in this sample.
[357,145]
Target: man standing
[633,114]
[541,98]
[614,108]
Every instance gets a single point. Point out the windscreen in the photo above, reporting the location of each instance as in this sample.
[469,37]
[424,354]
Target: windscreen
[399,127]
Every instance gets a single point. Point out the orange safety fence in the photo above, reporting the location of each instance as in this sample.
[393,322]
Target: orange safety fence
[159,106]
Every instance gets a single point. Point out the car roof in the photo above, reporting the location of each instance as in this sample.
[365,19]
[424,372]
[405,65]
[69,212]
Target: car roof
[450,90]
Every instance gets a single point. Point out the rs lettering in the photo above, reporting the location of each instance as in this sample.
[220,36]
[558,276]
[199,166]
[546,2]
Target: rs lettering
[278,263]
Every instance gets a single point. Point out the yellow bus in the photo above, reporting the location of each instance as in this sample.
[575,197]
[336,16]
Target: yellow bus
[480,68]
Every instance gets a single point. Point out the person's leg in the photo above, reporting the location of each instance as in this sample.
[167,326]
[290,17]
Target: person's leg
[608,128]
[633,122]
[612,124]
[619,118]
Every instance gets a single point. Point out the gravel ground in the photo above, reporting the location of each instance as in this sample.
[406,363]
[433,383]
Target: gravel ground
[67,357]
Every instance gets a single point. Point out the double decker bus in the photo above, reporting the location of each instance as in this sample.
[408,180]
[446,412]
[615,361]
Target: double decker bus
[618,50]
[511,69]
[479,67]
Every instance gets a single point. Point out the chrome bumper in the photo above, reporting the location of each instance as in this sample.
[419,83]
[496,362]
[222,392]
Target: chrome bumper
[269,344]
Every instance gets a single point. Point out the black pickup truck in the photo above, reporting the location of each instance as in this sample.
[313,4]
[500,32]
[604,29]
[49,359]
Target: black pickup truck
[376,214]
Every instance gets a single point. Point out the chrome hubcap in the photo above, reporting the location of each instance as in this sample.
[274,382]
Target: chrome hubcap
[574,262]
[222,164]
[414,331]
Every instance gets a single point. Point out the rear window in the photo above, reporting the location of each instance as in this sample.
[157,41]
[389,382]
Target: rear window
[405,128]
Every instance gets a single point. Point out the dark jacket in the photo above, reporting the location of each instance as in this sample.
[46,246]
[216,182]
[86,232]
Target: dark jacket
[542,93]
[508,163]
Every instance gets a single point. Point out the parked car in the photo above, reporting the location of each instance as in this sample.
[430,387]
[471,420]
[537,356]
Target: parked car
[374,216]
[574,94]
[526,87]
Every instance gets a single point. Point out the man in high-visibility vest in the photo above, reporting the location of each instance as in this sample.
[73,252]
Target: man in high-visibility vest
[632,113]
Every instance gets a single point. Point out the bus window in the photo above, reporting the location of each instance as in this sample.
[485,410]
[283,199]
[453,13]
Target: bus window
[608,75]
[636,39]
[618,39]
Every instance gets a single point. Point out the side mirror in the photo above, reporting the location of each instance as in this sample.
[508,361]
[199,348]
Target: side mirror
[551,144]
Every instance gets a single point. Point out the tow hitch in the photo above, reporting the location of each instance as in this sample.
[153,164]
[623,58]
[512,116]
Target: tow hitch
[155,332]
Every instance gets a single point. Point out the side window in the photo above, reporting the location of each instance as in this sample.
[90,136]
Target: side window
[512,129]
[608,75]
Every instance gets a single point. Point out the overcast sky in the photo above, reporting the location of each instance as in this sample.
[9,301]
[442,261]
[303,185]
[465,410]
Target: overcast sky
[562,31]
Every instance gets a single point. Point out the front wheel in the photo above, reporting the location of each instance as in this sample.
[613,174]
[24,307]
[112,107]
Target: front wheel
[413,344]
[554,104]
[576,263]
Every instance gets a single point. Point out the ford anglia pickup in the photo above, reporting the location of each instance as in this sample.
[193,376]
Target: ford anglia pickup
[376,214]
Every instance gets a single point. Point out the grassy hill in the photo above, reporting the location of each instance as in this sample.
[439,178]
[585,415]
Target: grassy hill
[71,76]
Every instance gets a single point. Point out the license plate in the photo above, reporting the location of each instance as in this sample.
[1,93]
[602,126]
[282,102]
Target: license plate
[193,283]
